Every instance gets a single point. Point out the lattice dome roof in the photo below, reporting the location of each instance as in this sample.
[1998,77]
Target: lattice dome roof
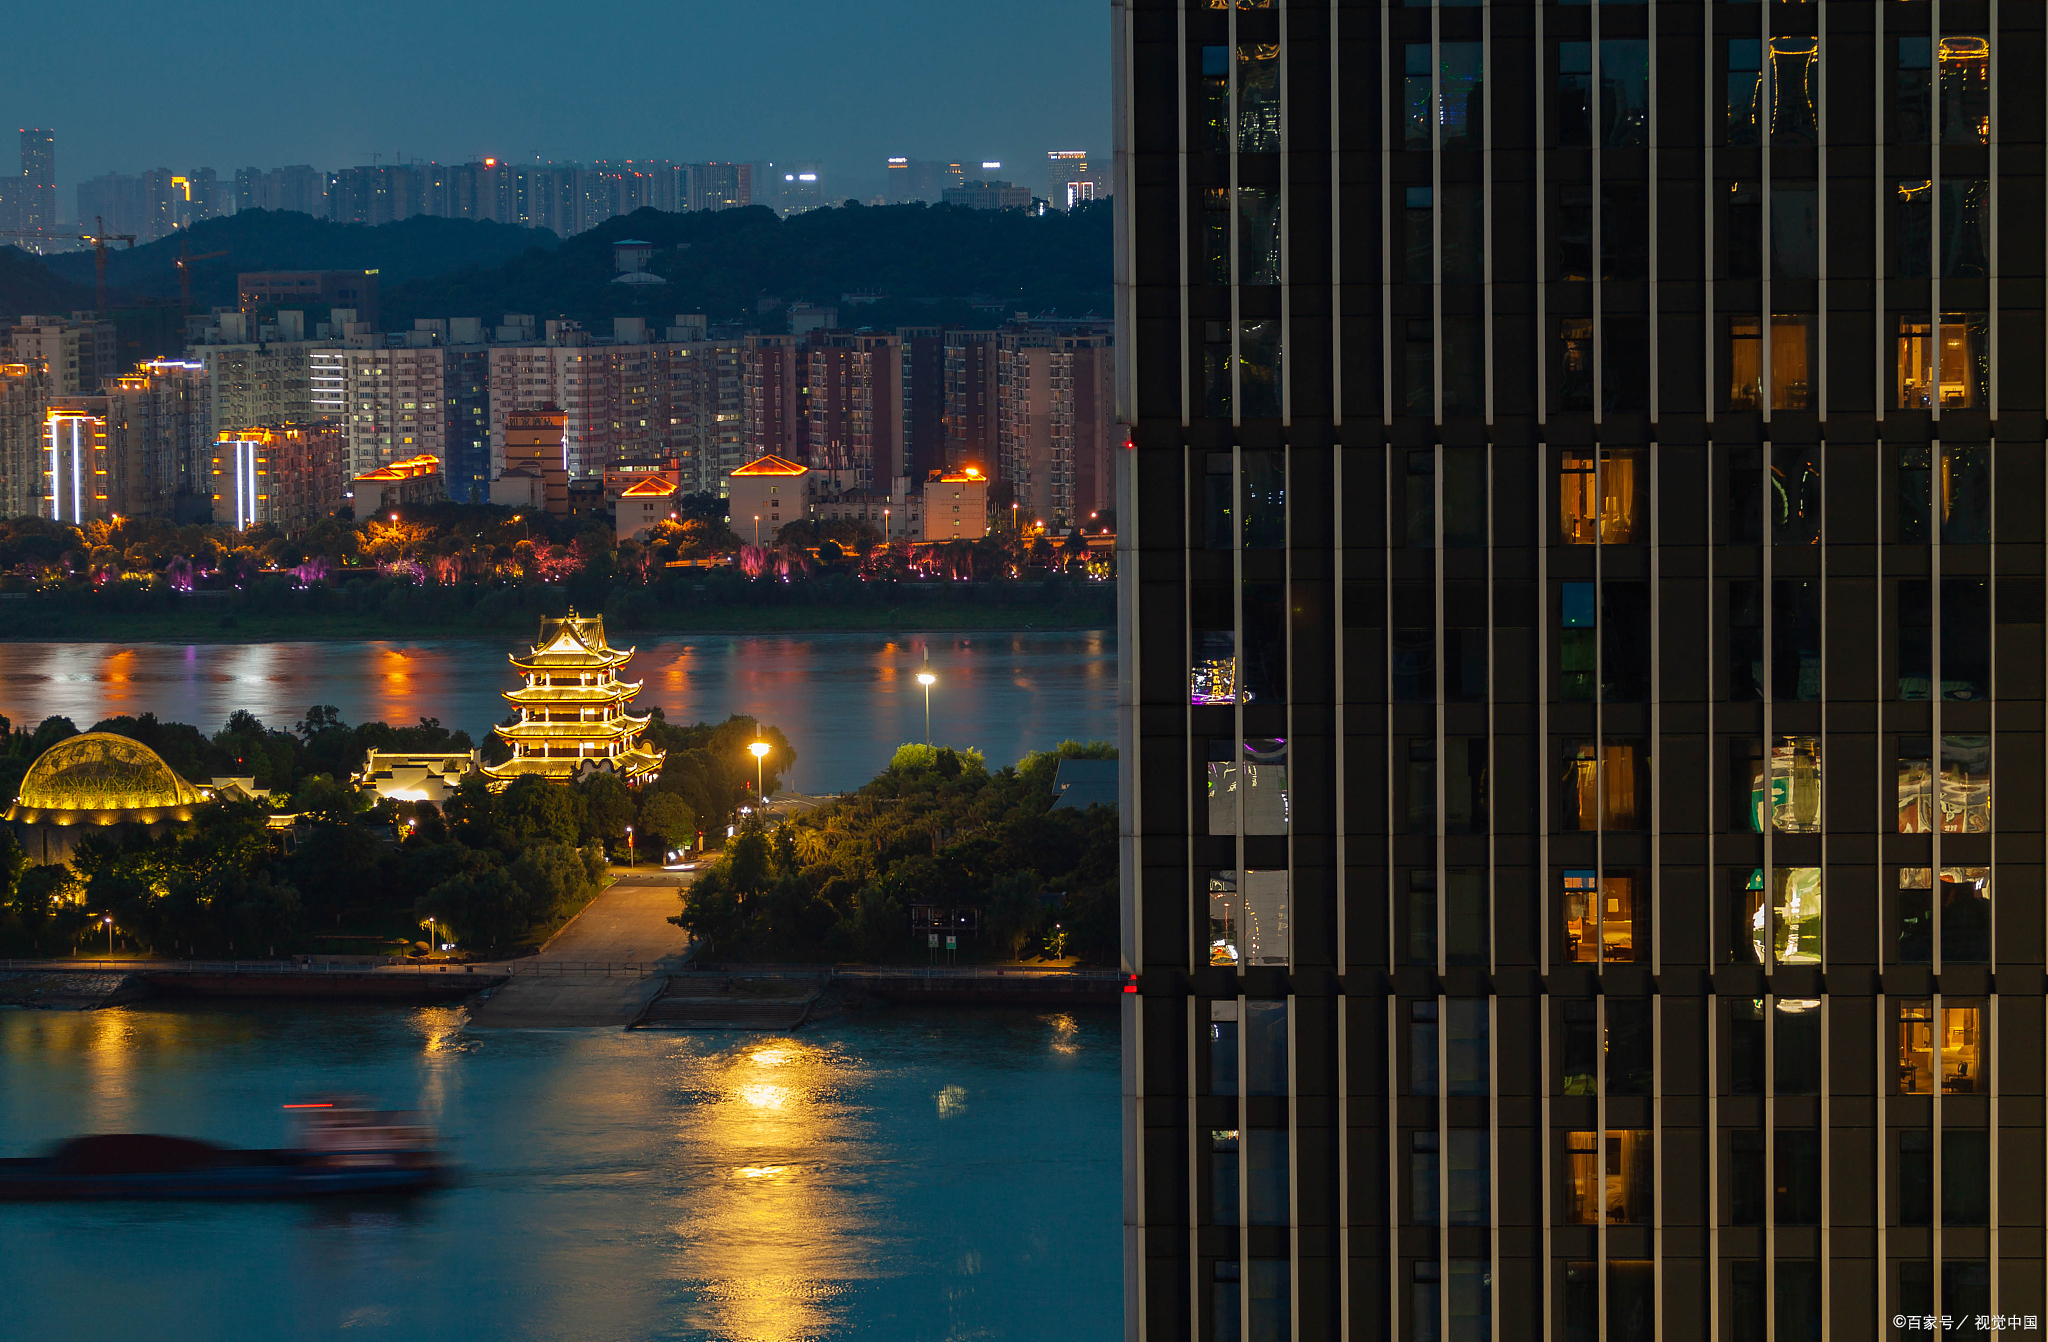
[101,778]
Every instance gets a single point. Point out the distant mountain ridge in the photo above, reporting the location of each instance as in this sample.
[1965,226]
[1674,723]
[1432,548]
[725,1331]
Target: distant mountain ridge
[916,263]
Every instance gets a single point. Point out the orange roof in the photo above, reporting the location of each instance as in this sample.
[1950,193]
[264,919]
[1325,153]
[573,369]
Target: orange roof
[412,468]
[656,486]
[966,475]
[772,465]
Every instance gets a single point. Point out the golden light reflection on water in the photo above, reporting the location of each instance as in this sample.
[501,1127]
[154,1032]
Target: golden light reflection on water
[1065,1034]
[768,1242]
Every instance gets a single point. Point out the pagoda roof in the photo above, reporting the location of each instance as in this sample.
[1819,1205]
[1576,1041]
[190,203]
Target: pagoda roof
[610,692]
[567,768]
[575,641]
[571,731]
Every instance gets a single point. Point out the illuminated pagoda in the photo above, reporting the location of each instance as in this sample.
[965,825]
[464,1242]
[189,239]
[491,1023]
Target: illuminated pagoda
[572,708]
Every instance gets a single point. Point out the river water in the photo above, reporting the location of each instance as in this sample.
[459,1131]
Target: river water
[845,701]
[904,1174]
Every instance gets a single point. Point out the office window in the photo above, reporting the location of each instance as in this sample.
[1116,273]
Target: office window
[1746,1177]
[1743,84]
[1461,113]
[1795,90]
[1212,671]
[1418,235]
[1223,1176]
[1625,364]
[1214,255]
[1575,363]
[1578,642]
[1624,641]
[1631,1052]
[1464,785]
[1624,92]
[1467,917]
[1916,1177]
[1258,782]
[1462,219]
[1226,1300]
[1574,231]
[1795,230]
[1797,1298]
[1216,391]
[1574,95]
[1610,1177]
[1965,915]
[1625,794]
[1415,96]
[1625,230]
[1966,228]
[1471,1300]
[1796,1049]
[1422,1039]
[1421,786]
[1580,790]
[1965,90]
[1965,481]
[1796,915]
[1464,370]
[1909,229]
[1795,639]
[1793,360]
[1914,519]
[1265,1055]
[1599,495]
[1258,235]
[1266,1183]
[1258,368]
[1965,360]
[1579,1059]
[1742,226]
[1425,1302]
[1418,366]
[1745,639]
[1913,638]
[1471,1176]
[1912,90]
[1746,1022]
[1464,490]
[1965,1177]
[1958,1036]
[1263,916]
[1258,92]
[1794,791]
[1265,500]
[1965,639]
[1966,784]
[1223,1048]
[1213,106]
[1582,916]
[1466,1048]
[1796,1156]
[1745,355]
[1914,373]
[1913,917]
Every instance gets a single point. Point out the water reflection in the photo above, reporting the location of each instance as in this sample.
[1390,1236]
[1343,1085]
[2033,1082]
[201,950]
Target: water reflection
[846,700]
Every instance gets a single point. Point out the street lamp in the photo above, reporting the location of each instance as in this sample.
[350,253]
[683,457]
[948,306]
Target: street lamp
[927,679]
[757,529]
[109,921]
[631,851]
[760,749]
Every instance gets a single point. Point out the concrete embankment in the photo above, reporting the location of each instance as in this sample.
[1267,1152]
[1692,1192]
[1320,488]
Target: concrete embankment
[432,986]
[68,990]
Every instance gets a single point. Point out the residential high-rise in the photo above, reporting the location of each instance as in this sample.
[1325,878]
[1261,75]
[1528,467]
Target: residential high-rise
[1580,554]
[24,395]
[36,207]
[1054,419]
[771,376]
[720,186]
[287,475]
[924,399]
[1068,181]
[78,351]
[706,403]
[970,413]
[356,290]
[160,429]
[397,405]
[988,195]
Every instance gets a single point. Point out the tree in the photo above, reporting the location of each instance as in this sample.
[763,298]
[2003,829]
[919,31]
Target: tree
[1015,913]
[480,910]
[607,808]
[535,810]
[552,876]
[666,816]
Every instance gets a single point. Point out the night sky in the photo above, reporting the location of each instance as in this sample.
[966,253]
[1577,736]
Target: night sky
[228,85]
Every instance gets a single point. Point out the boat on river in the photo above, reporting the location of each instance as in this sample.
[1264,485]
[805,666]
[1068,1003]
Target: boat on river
[341,1147]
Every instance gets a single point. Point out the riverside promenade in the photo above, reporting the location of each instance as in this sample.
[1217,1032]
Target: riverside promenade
[604,966]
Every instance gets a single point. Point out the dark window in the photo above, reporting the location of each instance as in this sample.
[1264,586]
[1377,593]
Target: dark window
[1466,1048]
[1461,77]
[1625,365]
[1965,639]
[1265,500]
[1223,1057]
[1467,917]
[1749,1303]
[1215,247]
[1471,1179]
[1575,363]
[1797,1047]
[1265,1058]
[1795,639]
[1914,525]
[1419,366]
[1624,642]
[1421,787]
[1745,640]
[1464,488]
[1414,653]
[1916,1177]
[1745,231]
[1465,652]
[1464,781]
[1795,231]
[1464,369]
[1745,1177]
[1744,90]
[1624,92]
[1226,1302]
[1422,1026]
[1578,641]
[1912,909]
[1910,229]
[1631,1301]
[1574,231]
[1965,913]
[1258,235]
[1258,367]
[1630,1065]
[1581,1053]
[1415,96]
[1797,1294]
[1965,493]
[1966,1293]
[1913,631]
[1966,228]
[1421,911]
[1463,222]
[1965,1177]
[1418,235]
[1265,643]
[1625,230]
[1574,94]
[1582,1302]
[1912,91]
[1797,1157]
[1795,496]
[1218,526]
[1223,1176]
[1746,1046]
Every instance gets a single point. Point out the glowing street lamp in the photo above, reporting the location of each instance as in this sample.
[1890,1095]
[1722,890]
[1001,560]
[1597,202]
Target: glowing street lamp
[760,749]
[631,851]
[109,921]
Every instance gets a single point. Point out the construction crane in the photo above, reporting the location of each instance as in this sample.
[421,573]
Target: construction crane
[99,243]
[184,264]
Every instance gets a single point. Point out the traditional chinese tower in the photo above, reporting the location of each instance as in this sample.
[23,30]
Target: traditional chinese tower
[572,709]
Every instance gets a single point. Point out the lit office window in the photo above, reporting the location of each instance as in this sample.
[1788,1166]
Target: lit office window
[1796,915]
[1599,495]
[1610,1178]
[1965,90]
[1950,1047]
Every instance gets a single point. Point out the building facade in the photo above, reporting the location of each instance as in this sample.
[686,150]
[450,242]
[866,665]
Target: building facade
[283,474]
[1580,562]
[1054,419]
[160,424]
[24,395]
[78,352]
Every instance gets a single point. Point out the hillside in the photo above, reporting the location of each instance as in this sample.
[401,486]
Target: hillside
[26,285]
[927,261]
[280,240]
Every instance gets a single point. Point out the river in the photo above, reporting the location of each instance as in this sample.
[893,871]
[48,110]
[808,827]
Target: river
[904,1174]
[845,701]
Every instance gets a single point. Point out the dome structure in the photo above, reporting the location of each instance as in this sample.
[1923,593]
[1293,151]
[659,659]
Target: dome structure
[99,778]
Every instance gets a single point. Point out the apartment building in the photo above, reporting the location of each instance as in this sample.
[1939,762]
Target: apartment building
[1054,419]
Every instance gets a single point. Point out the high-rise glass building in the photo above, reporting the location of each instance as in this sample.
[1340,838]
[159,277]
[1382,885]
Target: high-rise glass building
[1582,627]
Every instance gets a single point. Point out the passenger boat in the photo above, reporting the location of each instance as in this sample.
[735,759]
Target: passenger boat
[341,1147]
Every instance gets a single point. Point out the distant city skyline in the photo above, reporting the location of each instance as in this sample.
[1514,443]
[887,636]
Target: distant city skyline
[799,81]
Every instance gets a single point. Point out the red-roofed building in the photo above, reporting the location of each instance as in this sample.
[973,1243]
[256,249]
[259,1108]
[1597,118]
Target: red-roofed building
[773,489]
[645,503]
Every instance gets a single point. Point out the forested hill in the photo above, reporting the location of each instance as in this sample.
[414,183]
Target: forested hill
[928,263]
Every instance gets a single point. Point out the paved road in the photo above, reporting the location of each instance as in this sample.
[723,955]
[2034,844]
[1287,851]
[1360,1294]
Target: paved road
[627,924]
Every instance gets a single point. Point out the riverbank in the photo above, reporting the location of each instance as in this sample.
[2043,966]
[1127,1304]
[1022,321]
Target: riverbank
[382,609]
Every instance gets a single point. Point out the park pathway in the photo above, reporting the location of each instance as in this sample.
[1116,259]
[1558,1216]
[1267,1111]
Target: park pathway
[602,968]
